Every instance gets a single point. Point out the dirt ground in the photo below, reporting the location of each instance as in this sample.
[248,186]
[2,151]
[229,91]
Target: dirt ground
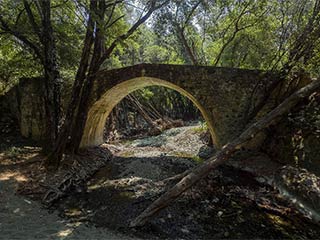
[23,218]
[231,203]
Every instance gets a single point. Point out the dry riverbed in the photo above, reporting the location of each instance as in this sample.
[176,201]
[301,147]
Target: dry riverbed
[233,202]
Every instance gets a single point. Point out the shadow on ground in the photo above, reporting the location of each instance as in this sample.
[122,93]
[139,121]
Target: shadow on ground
[229,203]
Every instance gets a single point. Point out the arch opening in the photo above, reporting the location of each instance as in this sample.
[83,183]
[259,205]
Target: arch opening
[101,109]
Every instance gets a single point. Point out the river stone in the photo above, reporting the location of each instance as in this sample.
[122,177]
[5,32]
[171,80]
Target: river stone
[302,186]
[205,152]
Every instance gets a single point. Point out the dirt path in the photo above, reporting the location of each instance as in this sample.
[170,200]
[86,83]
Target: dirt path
[21,218]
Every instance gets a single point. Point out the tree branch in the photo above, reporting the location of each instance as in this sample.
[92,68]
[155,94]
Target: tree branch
[32,20]
[190,14]
[5,26]
[123,37]
[113,5]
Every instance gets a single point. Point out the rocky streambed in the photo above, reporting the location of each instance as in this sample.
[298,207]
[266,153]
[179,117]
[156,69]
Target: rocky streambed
[237,200]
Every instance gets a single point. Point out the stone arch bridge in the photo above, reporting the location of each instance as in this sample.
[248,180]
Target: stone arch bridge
[225,96]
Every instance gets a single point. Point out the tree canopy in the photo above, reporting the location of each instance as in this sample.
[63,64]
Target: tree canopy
[245,34]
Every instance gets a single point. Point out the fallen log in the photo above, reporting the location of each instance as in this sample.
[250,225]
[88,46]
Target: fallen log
[224,154]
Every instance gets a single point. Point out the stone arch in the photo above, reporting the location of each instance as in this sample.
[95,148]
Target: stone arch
[100,110]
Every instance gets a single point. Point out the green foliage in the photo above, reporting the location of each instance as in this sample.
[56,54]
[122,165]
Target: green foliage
[231,33]
[15,64]
[195,158]
[245,34]
[313,65]
[202,128]
[146,93]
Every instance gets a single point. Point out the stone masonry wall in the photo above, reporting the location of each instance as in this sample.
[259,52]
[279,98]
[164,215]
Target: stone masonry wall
[226,95]
[25,103]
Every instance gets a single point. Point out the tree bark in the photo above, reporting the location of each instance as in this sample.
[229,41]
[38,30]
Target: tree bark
[53,160]
[188,50]
[222,156]
[52,77]
[94,66]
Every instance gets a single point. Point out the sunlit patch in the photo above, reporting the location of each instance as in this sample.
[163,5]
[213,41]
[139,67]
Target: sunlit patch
[73,212]
[65,233]
[74,224]
[18,158]
[17,210]
[192,156]
[5,176]
[118,183]
[278,220]
[127,154]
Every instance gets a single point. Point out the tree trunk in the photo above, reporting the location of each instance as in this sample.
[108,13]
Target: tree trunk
[98,49]
[222,156]
[52,78]
[53,160]
[187,49]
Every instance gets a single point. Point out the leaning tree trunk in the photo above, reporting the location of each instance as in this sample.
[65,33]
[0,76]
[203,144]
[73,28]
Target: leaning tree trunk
[141,111]
[94,66]
[190,178]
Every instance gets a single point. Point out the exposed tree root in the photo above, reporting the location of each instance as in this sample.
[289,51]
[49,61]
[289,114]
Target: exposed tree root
[73,174]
